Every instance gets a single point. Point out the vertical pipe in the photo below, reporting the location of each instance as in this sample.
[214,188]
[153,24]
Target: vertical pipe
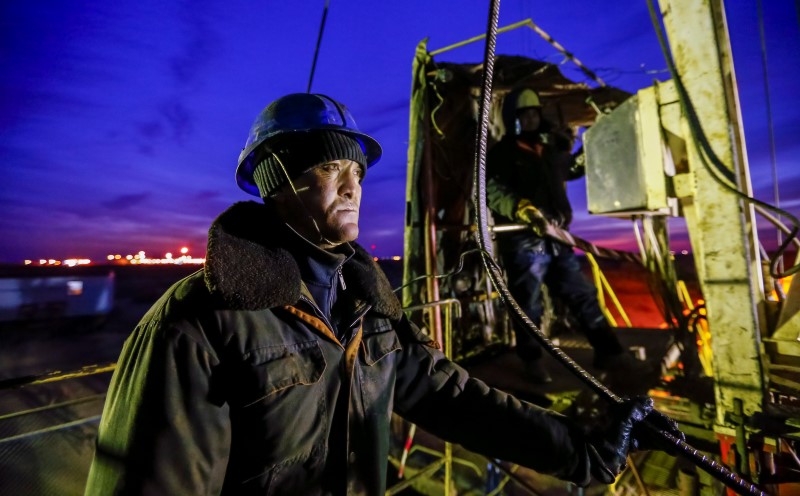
[448,352]
[431,267]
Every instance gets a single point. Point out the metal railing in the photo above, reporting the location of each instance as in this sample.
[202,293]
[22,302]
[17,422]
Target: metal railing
[47,439]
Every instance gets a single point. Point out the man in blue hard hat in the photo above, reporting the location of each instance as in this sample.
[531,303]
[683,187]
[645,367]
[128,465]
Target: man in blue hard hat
[276,369]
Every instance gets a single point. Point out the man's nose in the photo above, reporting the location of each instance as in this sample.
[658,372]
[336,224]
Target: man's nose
[350,185]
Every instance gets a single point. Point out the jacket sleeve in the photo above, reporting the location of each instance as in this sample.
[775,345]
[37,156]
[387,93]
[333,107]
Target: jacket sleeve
[440,396]
[164,430]
[500,197]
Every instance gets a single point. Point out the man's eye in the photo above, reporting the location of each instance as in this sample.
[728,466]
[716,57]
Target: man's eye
[330,167]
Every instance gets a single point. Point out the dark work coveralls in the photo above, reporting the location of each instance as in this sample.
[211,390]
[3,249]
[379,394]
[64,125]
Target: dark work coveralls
[529,166]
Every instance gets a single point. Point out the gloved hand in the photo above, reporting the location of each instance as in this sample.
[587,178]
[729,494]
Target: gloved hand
[648,439]
[580,158]
[532,216]
[609,449]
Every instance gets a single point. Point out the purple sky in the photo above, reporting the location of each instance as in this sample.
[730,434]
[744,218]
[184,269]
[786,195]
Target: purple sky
[121,122]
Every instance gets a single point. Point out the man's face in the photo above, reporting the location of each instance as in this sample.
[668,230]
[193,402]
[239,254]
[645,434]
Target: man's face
[529,119]
[330,193]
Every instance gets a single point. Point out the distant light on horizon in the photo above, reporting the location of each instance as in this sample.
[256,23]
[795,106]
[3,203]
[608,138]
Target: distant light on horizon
[139,259]
[72,262]
[185,259]
[169,259]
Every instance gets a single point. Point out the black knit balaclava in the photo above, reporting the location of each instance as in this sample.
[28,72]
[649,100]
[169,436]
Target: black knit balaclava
[299,153]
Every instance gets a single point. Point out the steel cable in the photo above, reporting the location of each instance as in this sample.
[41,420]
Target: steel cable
[716,470]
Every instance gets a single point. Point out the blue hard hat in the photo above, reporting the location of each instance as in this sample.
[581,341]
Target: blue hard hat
[294,114]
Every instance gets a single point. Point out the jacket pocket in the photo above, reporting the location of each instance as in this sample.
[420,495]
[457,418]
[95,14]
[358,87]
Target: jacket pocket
[376,372]
[378,345]
[271,369]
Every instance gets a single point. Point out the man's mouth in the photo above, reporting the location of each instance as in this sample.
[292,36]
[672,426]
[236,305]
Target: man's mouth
[347,208]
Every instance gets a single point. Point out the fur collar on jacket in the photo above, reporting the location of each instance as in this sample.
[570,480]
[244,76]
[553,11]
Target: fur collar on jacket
[248,266]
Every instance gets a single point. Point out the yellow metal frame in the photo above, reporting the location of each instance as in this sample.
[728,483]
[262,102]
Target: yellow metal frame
[603,287]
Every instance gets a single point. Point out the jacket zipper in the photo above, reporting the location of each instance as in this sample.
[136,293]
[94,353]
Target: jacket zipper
[359,314]
[319,313]
[340,277]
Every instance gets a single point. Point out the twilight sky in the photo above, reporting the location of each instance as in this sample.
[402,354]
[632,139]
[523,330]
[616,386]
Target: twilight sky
[121,122]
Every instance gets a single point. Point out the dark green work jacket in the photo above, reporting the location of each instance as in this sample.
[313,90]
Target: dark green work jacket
[232,385]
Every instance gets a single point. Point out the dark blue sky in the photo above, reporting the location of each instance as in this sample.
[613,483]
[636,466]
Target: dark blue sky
[121,122]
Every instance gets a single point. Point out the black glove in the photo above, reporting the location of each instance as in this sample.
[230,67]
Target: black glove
[647,436]
[608,451]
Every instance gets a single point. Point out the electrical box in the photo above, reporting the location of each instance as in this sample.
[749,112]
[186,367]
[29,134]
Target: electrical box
[625,159]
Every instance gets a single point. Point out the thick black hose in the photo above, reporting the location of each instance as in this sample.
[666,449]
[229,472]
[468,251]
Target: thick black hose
[716,470]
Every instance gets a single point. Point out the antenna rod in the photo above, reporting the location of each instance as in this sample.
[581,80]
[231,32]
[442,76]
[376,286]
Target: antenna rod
[319,41]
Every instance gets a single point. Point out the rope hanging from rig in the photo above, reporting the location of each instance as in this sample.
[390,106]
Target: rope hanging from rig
[716,470]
